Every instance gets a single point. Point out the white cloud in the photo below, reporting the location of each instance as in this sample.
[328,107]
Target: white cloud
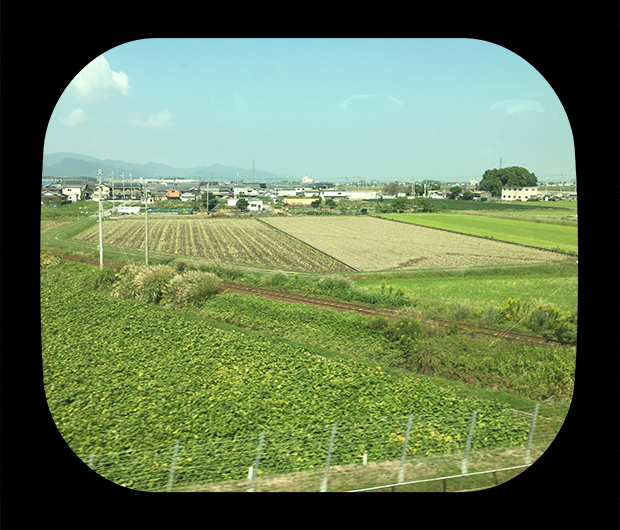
[76,116]
[511,106]
[155,120]
[345,103]
[98,81]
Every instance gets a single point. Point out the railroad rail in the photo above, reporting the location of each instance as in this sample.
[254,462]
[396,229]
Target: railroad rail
[338,305]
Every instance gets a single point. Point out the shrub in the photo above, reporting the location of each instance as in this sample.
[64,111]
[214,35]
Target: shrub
[405,331]
[125,286]
[47,259]
[224,272]
[103,279]
[378,323]
[276,279]
[190,288]
[335,282]
[181,266]
[152,281]
[143,282]
[424,359]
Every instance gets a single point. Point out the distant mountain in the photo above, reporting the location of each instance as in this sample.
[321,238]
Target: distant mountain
[76,165]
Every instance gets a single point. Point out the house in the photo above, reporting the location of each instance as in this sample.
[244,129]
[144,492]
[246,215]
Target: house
[51,196]
[481,195]
[103,194]
[255,206]
[73,193]
[188,196]
[173,194]
[306,179]
[518,193]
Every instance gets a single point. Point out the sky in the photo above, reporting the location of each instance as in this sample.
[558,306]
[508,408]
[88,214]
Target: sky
[384,109]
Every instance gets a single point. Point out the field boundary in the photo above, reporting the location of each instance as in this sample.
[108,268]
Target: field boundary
[480,237]
[306,244]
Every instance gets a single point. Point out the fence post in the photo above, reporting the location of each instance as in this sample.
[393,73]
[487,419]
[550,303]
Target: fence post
[528,459]
[174,464]
[467,446]
[401,468]
[257,461]
[329,455]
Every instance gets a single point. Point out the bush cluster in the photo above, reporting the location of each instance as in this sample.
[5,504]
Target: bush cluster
[190,288]
[47,259]
[544,319]
[335,282]
[163,284]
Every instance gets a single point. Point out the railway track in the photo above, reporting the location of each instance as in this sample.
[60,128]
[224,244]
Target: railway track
[342,306]
[338,305]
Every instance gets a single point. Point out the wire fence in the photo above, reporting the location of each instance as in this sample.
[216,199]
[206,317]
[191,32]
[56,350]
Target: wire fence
[380,455]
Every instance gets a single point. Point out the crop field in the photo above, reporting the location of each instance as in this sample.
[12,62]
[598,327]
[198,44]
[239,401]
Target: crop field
[542,235]
[555,283]
[370,243]
[238,241]
[48,226]
[124,377]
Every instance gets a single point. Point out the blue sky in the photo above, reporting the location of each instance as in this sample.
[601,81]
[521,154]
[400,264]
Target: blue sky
[385,109]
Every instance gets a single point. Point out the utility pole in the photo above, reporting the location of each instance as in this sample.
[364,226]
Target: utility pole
[253,172]
[146,224]
[99,172]
[500,162]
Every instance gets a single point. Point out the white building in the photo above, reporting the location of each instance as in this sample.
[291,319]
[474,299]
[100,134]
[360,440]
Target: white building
[306,179]
[128,209]
[357,195]
[73,194]
[244,191]
[255,206]
[518,193]
[334,194]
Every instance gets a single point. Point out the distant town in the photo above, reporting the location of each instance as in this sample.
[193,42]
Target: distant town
[305,191]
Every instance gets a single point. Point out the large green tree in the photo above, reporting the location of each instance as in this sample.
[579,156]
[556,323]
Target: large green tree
[399,204]
[493,179]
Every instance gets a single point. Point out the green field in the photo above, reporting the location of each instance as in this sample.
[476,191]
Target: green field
[554,283]
[541,235]
[127,377]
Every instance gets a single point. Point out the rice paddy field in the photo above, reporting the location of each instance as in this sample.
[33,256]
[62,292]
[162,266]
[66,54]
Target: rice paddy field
[371,243]
[542,235]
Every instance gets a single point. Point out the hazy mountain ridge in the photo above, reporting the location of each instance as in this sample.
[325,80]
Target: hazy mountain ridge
[77,165]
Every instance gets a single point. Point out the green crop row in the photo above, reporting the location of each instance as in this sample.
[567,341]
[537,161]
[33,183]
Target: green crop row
[122,377]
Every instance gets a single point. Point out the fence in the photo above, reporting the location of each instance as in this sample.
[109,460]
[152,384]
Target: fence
[343,456]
